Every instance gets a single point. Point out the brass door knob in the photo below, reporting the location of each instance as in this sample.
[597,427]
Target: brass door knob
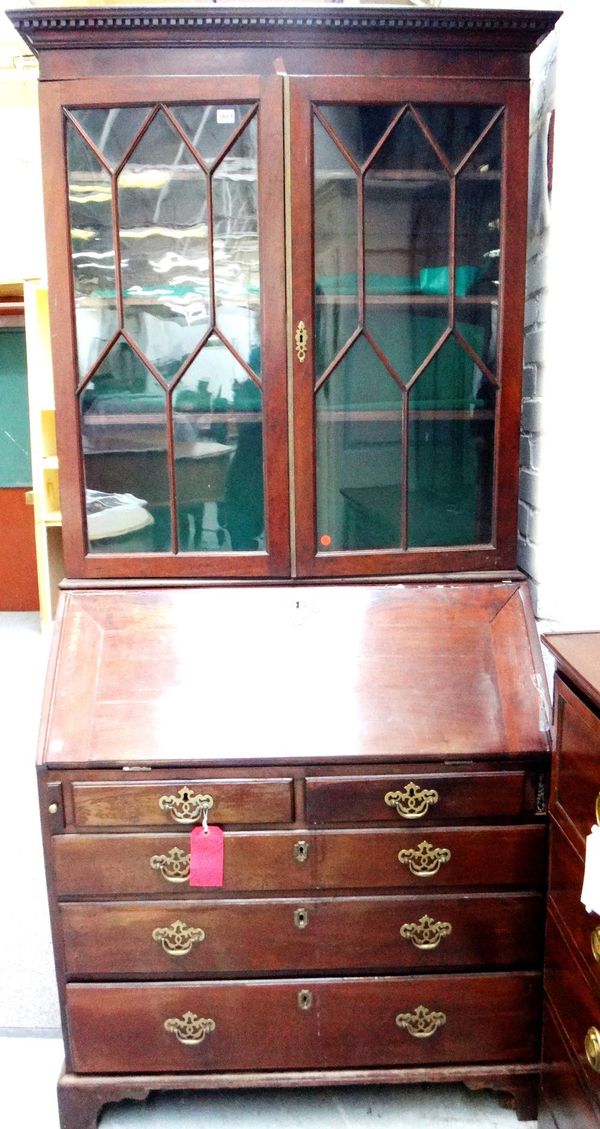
[592,1048]
[595,942]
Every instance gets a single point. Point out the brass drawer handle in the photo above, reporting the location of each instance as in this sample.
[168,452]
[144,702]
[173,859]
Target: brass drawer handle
[595,940]
[425,860]
[592,1048]
[174,866]
[177,939]
[412,802]
[301,850]
[186,806]
[425,933]
[421,1023]
[598,809]
[190,1029]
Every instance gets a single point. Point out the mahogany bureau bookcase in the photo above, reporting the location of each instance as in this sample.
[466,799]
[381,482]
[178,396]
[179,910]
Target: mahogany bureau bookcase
[294,749]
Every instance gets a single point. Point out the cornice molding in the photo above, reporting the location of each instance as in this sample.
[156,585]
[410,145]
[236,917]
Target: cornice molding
[74,27]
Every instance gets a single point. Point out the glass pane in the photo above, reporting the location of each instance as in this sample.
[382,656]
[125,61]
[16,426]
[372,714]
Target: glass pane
[112,130]
[359,454]
[164,247]
[92,251]
[219,453]
[477,321]
[236,258]
[451,448]
[478,219]
[455,128]
[407,233]
[124,432]
[359,128]
[336,249]
[209,128]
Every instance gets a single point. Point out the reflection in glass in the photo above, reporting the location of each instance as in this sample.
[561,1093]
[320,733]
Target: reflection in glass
[359,128]
[164,247]
[217,412]
[478,214]
[112,130]
[92,250]
[209,128]
[336,249]
[455,128]
[407,231]
[477,322]
[451,445]
[235,246]
[359,464]
[124,433]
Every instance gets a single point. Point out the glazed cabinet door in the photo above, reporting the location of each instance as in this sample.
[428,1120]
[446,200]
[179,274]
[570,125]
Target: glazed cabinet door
[408,203]
[169,308]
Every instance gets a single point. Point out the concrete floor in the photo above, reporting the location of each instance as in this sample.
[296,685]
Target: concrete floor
[30,1063]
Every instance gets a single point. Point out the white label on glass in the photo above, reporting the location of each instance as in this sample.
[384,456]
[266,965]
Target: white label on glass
[226,117]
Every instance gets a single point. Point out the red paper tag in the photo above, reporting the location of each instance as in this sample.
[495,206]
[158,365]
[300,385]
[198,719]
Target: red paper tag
[206,856]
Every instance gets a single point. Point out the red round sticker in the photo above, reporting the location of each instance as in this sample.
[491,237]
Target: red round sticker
[326,540]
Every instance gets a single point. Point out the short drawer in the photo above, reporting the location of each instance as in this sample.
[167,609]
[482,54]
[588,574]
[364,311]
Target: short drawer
[577,759]
[573,999]
[182,802]
[566,877]
[296,1024]
[425,798]
[109,865]
[403,934]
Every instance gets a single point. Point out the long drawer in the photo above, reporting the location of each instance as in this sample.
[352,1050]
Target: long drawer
[421,797]
[566,1101]
[182,802]
[171,939]
[305,1023]
[566,868]
[109,865]
[573,1000]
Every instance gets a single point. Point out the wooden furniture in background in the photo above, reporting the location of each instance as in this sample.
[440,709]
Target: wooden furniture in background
[571,1042]
[44,459]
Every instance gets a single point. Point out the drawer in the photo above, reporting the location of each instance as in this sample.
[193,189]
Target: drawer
[171,939]
[566,1100]
[566,877]
[300,1024]
[182,802]
[575,1003]
[576,783]
[423,798]
[109,865]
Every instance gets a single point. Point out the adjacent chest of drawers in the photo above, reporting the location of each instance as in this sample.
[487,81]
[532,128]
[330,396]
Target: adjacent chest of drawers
[571,1067]
[380,916]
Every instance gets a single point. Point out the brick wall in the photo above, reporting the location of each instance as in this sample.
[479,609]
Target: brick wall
[542,105]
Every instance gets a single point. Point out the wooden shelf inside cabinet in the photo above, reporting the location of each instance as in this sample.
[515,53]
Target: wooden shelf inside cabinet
[45,491]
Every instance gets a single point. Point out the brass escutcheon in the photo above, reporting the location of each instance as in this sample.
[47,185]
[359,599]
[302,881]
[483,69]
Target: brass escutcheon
[592,1048]
[190,1029]
[177,939]
[421,1023]
[424,860]
[301,339]
[412,802]
[174,866]
[301,850]
[425,933]
[305,999]
[595,942]
[301,918]
[186,806]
